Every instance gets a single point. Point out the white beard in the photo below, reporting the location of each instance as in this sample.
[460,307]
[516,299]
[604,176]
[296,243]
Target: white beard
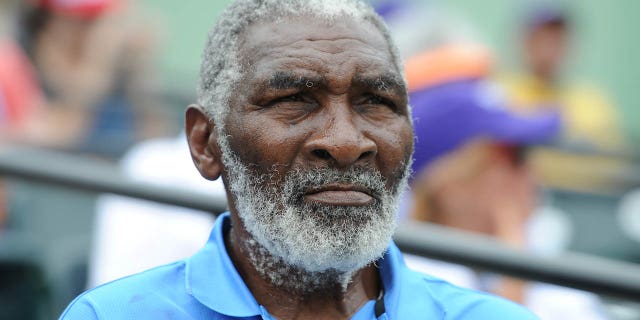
[318,240]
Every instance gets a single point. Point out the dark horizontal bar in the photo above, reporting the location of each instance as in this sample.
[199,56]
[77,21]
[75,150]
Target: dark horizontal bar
[94,176]
[584,272]
[588,273]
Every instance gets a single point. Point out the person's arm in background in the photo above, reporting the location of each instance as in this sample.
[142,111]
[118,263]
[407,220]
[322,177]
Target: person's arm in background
[20,95]
[592,120]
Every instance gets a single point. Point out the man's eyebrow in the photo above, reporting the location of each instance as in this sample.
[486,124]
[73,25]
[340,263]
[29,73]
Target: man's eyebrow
[286,80]
[382,82]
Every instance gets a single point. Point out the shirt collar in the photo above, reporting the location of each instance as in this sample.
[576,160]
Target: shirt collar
[213,280]
[403,287]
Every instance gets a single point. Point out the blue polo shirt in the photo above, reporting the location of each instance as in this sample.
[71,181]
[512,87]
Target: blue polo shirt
[207,286]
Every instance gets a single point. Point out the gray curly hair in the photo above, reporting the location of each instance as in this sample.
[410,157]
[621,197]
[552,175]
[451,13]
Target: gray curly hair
[221,69]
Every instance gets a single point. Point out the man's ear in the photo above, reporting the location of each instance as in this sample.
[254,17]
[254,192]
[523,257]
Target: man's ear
[203,145]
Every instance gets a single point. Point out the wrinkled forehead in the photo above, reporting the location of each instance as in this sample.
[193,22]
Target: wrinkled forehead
[313,43]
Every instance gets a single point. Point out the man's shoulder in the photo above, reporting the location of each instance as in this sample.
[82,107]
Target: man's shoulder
[454,302]
[142,293]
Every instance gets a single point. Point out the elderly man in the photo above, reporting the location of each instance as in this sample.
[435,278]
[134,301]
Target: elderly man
[303,112]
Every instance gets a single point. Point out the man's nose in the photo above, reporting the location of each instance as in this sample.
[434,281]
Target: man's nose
[340,141]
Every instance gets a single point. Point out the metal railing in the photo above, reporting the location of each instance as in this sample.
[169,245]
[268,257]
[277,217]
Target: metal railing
[598,275]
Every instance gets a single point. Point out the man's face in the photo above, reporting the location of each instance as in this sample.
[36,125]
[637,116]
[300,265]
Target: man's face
[320,138]
[546,47]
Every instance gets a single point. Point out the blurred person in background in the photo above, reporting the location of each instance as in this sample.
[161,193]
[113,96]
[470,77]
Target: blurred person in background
[93,60]
[89,64]
[470,173]
[590,120]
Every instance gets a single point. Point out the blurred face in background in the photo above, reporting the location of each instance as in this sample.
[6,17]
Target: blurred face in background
[482,187]
[545,48]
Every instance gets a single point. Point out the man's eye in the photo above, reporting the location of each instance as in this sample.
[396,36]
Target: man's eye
[291,98]
[291,108]
[374,100]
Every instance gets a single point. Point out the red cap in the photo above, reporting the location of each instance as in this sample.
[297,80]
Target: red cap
[78,8]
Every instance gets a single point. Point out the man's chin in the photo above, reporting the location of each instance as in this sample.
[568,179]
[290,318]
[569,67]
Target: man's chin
[336,264]
[337,218]
[340,248]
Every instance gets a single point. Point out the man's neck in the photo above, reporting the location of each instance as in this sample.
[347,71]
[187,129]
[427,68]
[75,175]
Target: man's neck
[291,293]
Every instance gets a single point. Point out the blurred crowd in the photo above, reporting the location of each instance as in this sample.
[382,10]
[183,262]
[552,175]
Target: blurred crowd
[79,76]
[492,139]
